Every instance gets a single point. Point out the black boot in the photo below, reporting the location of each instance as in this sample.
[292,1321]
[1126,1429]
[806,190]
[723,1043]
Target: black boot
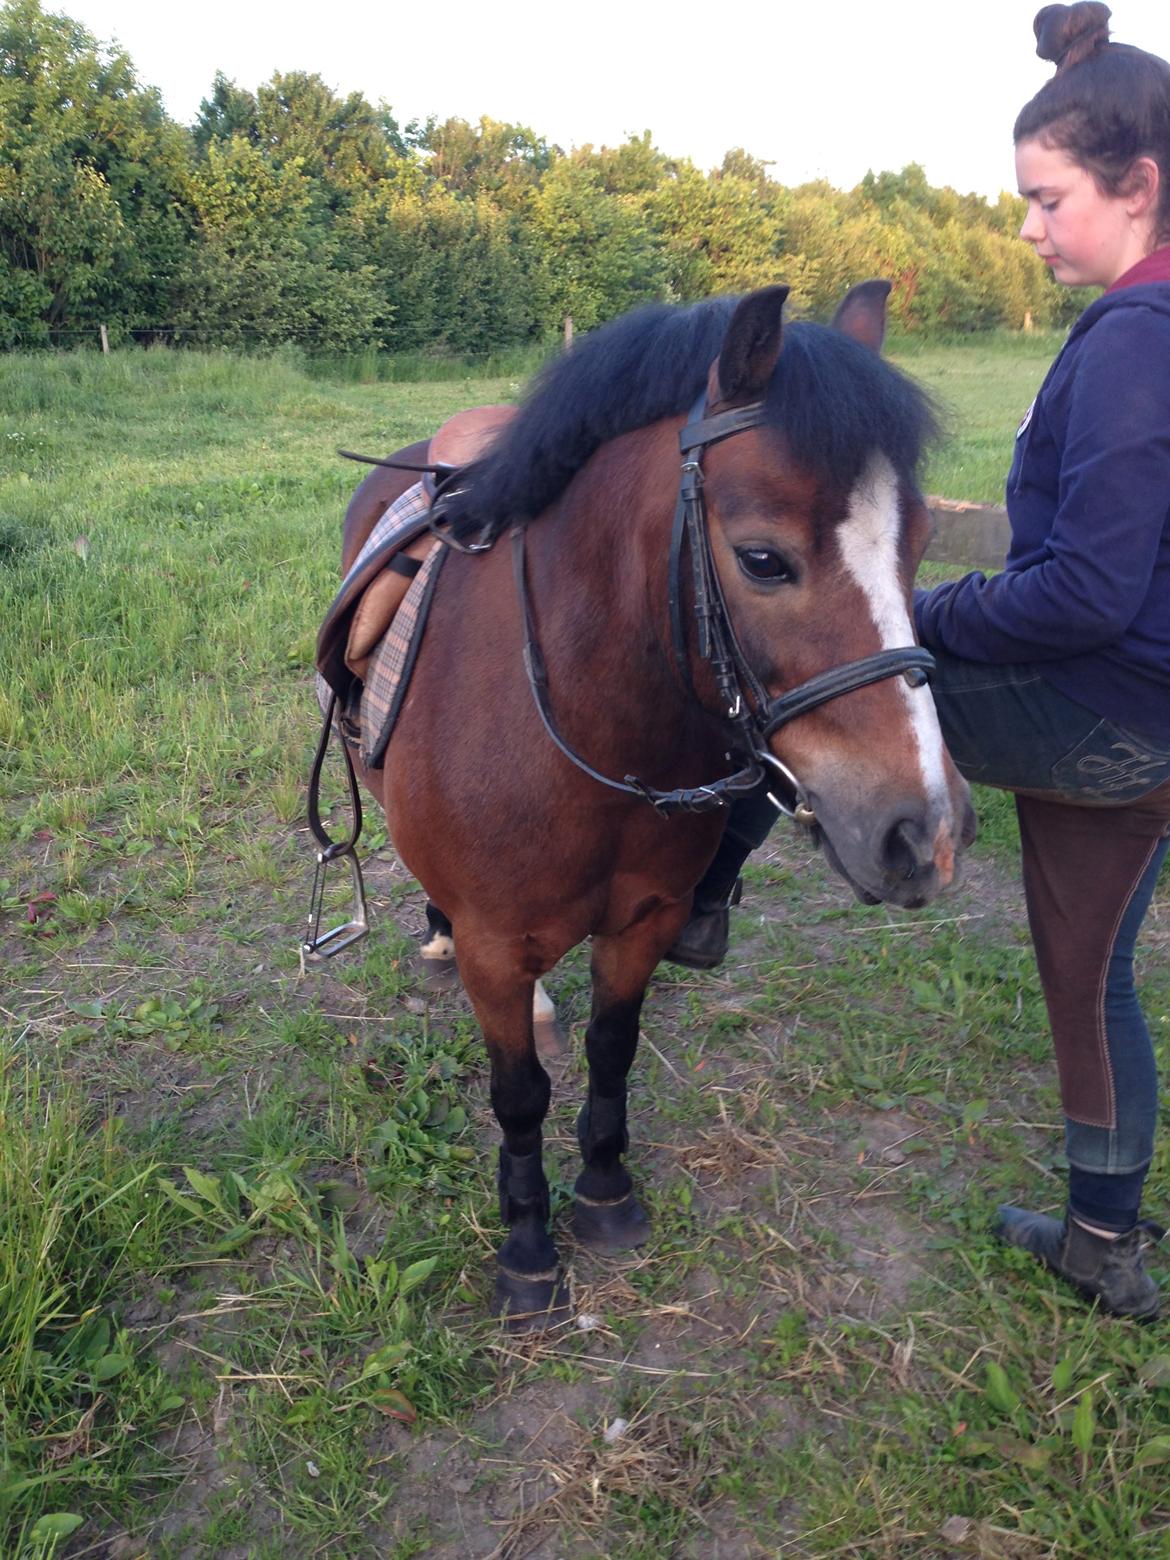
[1110,1271]
[702,943]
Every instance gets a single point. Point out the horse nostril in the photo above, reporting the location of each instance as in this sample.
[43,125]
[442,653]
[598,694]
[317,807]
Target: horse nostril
[907,849]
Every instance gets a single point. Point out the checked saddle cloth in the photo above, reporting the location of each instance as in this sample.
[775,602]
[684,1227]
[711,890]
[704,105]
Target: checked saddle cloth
[367,647]
[370,638]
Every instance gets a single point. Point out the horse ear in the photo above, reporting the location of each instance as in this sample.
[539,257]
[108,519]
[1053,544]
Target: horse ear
[750,348]
[862,314]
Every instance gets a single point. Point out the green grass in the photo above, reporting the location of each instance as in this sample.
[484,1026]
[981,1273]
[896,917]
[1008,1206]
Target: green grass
[982,386]
[247,1215]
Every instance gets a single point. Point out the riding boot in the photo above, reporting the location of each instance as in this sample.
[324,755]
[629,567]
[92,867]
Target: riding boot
[702,942]
[1110,1271]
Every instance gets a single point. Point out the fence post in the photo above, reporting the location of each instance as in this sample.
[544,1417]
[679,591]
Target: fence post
[105,338]
[568,331]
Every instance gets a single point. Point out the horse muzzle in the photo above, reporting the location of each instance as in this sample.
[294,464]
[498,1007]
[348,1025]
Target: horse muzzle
[905,854]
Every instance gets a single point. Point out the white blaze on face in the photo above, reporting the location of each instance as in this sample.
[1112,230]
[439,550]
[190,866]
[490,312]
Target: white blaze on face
[868,539]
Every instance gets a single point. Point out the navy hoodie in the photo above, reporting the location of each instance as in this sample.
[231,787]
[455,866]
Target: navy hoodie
[1085,590]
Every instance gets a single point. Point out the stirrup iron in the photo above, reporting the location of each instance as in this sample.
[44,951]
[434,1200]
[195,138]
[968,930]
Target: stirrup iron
[318,945]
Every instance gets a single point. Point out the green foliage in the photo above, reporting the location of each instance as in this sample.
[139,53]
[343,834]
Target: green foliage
[92,180]
[77,1220]
[292,214]
[599,255]
[266,271]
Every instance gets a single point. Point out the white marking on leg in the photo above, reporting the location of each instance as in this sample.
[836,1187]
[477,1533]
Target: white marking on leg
[868,539]
[542,1006]
[439,947]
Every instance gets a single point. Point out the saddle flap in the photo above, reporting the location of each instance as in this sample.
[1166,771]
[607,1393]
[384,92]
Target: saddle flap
[380,601]
[397,530]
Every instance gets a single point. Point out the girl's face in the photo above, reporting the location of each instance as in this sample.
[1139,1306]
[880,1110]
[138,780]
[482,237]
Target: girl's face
[1088,238]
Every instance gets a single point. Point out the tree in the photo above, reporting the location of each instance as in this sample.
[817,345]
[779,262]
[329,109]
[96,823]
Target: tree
[263,270]
[502,160]
[229,111]
[456,274]
[92,179]
[599,256]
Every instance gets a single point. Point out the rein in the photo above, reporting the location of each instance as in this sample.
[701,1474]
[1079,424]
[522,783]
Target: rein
[753,719]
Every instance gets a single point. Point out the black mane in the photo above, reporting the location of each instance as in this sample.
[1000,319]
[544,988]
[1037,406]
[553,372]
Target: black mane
[833,400]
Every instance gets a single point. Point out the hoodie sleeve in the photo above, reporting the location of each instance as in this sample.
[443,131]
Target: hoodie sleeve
[1112,506]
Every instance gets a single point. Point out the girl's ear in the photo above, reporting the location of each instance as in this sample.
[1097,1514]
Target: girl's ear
[1142,185]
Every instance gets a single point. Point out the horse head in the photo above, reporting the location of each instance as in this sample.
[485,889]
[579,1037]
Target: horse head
[816,529]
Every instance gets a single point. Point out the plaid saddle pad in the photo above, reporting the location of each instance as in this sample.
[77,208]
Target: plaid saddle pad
[391,663]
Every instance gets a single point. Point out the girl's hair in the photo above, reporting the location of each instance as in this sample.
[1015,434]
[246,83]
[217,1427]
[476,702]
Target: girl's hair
[1107,105]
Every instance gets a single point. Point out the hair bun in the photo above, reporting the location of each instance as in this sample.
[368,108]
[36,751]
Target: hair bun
[1068,34]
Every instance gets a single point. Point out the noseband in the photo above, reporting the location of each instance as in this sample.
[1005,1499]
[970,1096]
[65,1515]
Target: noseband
[754,718]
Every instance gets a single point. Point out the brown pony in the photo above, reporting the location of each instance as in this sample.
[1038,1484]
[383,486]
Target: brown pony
[590,697]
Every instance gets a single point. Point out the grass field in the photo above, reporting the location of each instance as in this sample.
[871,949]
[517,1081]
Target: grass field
[247,1215]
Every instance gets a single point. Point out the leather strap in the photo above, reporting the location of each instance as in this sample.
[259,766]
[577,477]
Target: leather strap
[703,798]
[330,848]
[911,662]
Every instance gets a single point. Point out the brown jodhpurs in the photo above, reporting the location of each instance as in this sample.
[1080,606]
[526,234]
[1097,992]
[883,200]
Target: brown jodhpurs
[1082,866]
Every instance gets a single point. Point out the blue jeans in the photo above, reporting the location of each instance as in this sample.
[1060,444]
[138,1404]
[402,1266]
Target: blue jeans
[1094,808]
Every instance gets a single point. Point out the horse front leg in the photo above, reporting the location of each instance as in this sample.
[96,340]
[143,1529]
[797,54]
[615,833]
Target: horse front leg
[530,1290]
[606,1213]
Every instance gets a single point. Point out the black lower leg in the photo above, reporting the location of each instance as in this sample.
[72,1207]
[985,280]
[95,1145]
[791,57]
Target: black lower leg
[607,1213]
[530,1289]
[524,1208]
[437,923]
[602,1134]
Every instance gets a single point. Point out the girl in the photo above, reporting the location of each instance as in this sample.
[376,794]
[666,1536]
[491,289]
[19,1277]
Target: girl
[1053,677]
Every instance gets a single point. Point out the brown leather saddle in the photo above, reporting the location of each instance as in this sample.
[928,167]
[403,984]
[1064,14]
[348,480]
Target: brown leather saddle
[375,586]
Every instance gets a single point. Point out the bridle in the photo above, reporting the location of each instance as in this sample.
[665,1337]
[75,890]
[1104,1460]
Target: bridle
[747,708]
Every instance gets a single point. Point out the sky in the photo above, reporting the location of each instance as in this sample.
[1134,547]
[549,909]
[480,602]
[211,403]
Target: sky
[825,90]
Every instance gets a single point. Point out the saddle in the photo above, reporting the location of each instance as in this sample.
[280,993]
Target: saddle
[460,440]
[356,655]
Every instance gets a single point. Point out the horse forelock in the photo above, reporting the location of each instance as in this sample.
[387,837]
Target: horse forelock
[838,404]
[833,401]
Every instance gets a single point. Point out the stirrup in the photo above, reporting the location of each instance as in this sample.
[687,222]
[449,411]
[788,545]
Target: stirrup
[323,945]
[318,945]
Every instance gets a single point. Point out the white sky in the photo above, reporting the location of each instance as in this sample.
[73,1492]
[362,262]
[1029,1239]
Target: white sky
[820,90]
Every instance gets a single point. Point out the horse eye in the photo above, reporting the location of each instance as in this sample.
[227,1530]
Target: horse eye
[761,563]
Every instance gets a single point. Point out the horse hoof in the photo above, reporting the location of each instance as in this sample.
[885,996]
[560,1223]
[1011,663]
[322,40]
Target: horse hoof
[531,1304]
[616,1226]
